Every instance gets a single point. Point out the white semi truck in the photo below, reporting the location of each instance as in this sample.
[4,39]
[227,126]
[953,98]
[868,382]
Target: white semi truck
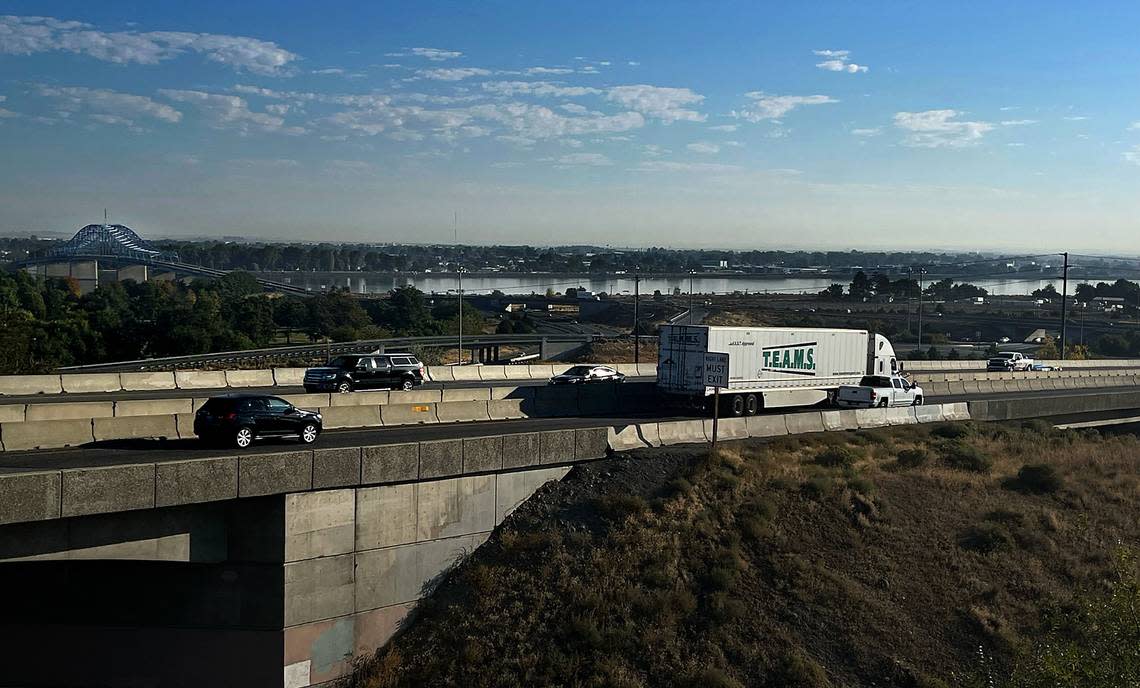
[769,367]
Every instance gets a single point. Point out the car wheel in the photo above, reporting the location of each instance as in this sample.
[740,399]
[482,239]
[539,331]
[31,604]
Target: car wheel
[343,387]
[243,437]
[309,433]
[883,403]
[407,384]
[918,401]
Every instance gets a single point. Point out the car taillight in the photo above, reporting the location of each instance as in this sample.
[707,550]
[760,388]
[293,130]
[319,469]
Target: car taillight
[231,416]
[873,394]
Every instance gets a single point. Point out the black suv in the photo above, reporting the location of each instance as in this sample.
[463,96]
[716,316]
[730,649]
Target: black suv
[239,419]
[366,371]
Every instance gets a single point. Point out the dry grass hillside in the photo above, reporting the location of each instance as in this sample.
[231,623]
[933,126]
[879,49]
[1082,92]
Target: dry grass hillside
[920,557]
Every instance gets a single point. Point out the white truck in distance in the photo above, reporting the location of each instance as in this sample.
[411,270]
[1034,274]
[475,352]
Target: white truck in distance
[769,367]
[1008,361]
[880,391]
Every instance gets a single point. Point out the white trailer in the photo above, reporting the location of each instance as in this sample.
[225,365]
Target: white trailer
[769,367]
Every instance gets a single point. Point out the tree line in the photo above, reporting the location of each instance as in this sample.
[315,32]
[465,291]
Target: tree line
[47,323]
[863,287]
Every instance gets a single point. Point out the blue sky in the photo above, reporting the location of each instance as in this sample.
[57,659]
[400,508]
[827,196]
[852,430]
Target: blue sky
[731,124]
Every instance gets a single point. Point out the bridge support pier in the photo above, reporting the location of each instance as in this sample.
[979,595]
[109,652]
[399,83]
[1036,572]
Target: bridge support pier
[278,590]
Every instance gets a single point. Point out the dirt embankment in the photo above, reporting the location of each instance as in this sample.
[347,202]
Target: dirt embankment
[919,557]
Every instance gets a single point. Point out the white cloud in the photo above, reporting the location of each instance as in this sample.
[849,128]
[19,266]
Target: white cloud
[725,127]
[6,114]
[703,147]
[230,112]
[539,71]
[539,122]
[632,63]
[591,159]
[940,129]
[329,70]
[867,132]
[663,103]
[574,108]
[1017,122]
[28,35]
[452,73]
[108,107]
[838,61]
[1135,126]
[765,106]
[1075,118]
[536,88]
[520,141]
[671,166]
[436,54]
[1132,155]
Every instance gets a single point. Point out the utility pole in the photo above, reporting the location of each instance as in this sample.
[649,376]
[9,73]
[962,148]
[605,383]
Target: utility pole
[921,272]
[460,315]
[636,341]
[690,297]
[1064,300]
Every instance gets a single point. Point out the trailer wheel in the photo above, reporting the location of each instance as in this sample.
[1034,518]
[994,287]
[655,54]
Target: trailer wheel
[751,404]
[737,405]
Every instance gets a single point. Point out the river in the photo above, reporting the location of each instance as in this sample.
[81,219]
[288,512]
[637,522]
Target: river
[378,283]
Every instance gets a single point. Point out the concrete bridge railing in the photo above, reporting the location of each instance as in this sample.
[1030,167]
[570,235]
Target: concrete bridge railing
[81,383]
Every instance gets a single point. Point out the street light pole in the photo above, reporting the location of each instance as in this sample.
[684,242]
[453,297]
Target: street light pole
[1064,301]
[690,297]
[921,272]
[460,315]
[636,341]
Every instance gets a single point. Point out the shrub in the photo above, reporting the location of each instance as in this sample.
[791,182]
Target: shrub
[913,458]
[837,457]
[818,487]
[713,678]
[617,507]
[862,485]
[793,670]
[1036,479]
[966,457]
[951,431]
[985,538]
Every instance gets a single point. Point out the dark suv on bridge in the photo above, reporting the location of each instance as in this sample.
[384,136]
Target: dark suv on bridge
[353,372]
[239,419]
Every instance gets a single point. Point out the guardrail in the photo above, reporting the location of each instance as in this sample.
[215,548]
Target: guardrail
[29,385]
[284,353]
[981,365]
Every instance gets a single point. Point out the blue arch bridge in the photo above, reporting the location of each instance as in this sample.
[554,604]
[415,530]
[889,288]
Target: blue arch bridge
[117,252]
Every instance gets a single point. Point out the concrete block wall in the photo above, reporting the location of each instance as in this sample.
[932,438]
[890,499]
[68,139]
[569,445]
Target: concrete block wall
[79,383]
[357,560]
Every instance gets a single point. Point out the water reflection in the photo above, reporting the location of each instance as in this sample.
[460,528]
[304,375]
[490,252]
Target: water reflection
[379,283]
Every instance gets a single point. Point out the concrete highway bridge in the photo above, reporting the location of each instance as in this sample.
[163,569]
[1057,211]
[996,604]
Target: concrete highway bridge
[143,558]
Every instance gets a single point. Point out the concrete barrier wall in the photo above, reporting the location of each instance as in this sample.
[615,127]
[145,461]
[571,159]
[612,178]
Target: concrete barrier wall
[37,496]
[80,383]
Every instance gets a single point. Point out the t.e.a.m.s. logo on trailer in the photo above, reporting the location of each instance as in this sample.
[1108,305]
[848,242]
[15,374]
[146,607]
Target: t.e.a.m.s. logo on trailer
[794,359]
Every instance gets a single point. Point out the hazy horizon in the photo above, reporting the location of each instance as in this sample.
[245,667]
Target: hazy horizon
[829,127]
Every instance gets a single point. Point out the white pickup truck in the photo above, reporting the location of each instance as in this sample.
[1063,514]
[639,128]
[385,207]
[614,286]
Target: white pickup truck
[879,391]
[1009,361]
